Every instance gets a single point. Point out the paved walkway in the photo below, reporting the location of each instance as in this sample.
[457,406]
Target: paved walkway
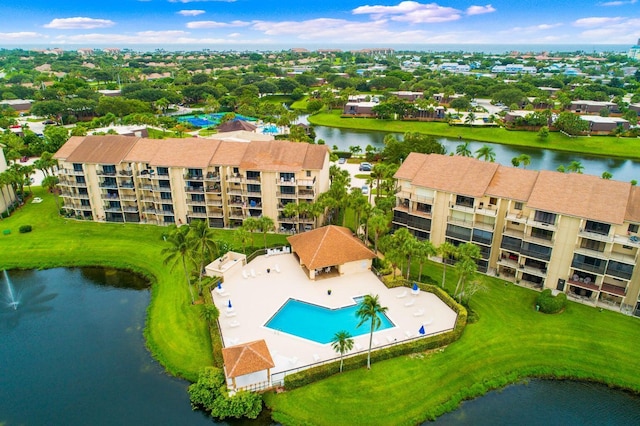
[256,300]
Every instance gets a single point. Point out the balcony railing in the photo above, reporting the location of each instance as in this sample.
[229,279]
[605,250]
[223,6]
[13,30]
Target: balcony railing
[214,177]
[235,178]
[197,214]
[193,177]
[107,185]
[543,241]
[590,253]
[285,195]
[306,182]
[196,189]
[535,254]
[460,222]
[614,289]
[596,269]
[595,236]
[191,202]
[306,193]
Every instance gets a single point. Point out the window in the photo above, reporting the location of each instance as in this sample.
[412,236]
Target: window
[199,209]
[308,173]
[545,217]
[197,197]
[77,167]
[592,245]
[633,228]
[84,202]
[167,207]
[80,179]
[109,169]
[164,184]
[461,200]
[597,227]
[517,205]
[169,219]
[253,188]
[493,201]
[165,195]
[543,234]
[236,170]
[163,171]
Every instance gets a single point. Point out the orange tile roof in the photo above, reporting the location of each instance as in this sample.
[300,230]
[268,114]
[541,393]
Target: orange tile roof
[229,154]
[328,246]
[107,149]
[512,183]
[283,156]
[633,206]
[457,174]
[578,195]
[247,358]
[191,152]
[68,147]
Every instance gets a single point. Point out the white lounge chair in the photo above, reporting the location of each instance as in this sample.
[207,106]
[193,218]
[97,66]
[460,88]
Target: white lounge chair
[403,294]
[244,274]
[428,321]
[316,357]
[408,333]
[234,323]
[253,273]
[230,313]
[277,268]
[410,303]
[232,341]
[418,313]
[293,361]
[358,346]
[391,339]
[375,342]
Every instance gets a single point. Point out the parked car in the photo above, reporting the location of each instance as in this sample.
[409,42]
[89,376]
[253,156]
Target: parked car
[365,167]
[365,190]
[342,160]
[48,122]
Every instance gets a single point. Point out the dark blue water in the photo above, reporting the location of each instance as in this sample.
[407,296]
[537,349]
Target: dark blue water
[541,159]
[73,354]
[320,324]
[546,402]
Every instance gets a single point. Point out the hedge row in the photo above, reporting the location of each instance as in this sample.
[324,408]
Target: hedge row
[305,377]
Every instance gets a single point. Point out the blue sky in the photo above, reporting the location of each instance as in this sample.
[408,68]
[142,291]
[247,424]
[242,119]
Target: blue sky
[299,23]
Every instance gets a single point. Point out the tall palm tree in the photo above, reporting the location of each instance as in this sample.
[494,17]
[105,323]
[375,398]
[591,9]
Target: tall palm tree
[575,167]
[370,309]
[265,224]
[204,246]
[179,251]
[466,266]
[50,182]
[446,250]
[463,150]
[470,118]
[342,343]
[424,249]
[486,153]
[241,235]
[525,160]
[251,225]
[378,223]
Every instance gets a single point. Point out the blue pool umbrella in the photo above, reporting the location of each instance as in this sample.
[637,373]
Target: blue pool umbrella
[415,286]
[421,331]
[220,285]
[229,305]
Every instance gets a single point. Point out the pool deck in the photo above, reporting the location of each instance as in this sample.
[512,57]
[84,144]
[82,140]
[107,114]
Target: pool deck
[256,300]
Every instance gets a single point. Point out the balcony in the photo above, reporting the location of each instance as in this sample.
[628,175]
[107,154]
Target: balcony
[285,219]
[591,253]
[286,182]
[460,222]
[585,283]
[214,189]
[197,214]
[286,195]
[467,208]
[194,178]
[235,178]
[103,173]
[306,193]
[191,202]
[624,258]
[126,184]
[234,214]
[614,289]
[514,233]
[253,179]
[107,185]
[627,240]
[112,209]
[589,267]
[78,184]
[128,197]
[487,211]
[306,182]
[130,209]
[538,240]
[484,226]
[125,172]
[214,203]
[535,252]
[73,172]
[619,270]
[414,212]
[511,243]
[213,177]
[517,217]
[216,213]
[543,225]
[595,236]
[106,196]
[194,189]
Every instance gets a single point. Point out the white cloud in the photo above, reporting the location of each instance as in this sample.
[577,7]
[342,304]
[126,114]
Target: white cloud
[622,31]
[617,3]
[480,10]
[215,24]
[79,23]
[24,35]
[596,21]
[411,12]
[167,33]
[191,12]
[535,28]
[159,37]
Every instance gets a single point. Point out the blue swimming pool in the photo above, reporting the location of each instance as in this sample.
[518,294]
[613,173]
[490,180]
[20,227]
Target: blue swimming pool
[318,323]
[209,120]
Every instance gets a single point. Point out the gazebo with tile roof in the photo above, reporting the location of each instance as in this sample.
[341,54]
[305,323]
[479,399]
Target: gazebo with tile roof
[244,362]
[331,248]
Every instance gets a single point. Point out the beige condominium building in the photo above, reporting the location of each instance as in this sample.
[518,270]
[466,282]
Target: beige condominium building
[7,196]
[130,179]
[569,232]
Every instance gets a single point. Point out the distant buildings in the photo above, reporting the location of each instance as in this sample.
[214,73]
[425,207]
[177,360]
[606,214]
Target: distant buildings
[634,52]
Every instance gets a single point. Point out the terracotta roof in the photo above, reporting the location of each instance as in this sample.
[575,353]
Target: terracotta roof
[633,206]
[107,149]
[144,150]
[456,174]
[192,152]
[512,183]
[328,246]
[233,125]
[579,195]
[247,358]
[283,156]
[411,166]
[229,154]
[68,147]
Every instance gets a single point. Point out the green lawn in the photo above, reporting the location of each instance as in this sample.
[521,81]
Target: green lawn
[594,145]
[510,341]
[174,332]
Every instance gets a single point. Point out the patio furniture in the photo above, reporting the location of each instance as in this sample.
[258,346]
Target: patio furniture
[401,295]
[231,313]
[277,268]
[418,313]
[234,323]
[316,357]
[253,273]
[410,303]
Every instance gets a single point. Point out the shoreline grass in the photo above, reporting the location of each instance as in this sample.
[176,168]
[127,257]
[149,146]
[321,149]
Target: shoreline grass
[604,146]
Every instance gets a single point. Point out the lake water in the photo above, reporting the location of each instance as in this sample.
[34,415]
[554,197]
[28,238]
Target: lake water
[546,402]
[73,353]
[541,159]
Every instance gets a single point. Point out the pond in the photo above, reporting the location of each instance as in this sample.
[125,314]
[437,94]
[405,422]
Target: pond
[541,159]
[73,353]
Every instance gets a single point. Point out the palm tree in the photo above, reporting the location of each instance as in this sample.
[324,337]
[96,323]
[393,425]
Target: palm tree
[251,225]
[470,118]
[179,251]
[576,167]
[369,310]
[241,235]
[486,153]
[342,343]
[209,313]
[525,160]
[424,249]
[466,266]
[446,250]
[378,223]
[204,247]
[463,150]
[606,175]
[50,182]
[265,224]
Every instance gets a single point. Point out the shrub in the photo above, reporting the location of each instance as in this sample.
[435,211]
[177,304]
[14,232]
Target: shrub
[24,229]
[550,304]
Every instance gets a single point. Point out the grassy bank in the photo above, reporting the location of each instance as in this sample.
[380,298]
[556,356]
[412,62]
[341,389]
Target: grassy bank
[593,145]
[175,334]
[509,342]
